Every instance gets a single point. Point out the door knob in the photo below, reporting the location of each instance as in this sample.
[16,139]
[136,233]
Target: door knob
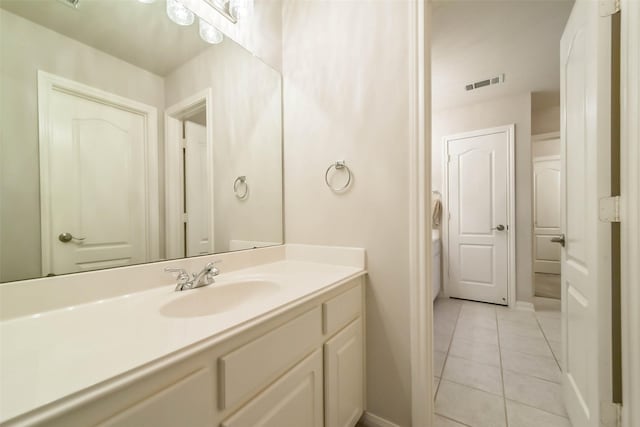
[67,237]
[558,240]
[500,227]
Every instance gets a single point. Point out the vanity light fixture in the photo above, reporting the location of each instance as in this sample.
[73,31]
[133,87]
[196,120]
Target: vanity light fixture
[240,9]
[209,33]
[179,13]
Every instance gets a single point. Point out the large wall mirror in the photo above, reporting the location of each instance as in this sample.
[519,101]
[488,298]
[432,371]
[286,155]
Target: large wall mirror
[126,138]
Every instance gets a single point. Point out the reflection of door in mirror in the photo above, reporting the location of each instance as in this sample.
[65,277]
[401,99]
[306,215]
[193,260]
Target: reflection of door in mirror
[546,216]
[197,240]
[93,148]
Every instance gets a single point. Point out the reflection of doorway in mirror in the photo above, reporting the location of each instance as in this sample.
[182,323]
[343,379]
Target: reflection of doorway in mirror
[98,156]
[189,201]
[546,215]
[197,241]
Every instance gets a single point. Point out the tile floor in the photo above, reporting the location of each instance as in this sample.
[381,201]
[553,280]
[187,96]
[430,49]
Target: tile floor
[497,367]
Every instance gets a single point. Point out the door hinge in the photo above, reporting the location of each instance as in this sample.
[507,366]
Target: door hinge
[610,414]
[610,209]
[608,7]
[185,217]
[183,143]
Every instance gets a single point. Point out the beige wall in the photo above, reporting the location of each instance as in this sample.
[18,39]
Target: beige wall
[504,111]
[346,97]
[545,120]
[25,48]
[247,133]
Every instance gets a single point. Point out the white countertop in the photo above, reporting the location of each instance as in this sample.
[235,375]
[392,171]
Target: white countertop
[47,356]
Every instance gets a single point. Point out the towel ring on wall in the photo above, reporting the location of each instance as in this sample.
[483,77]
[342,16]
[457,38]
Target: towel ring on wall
[339,165]
[241,181]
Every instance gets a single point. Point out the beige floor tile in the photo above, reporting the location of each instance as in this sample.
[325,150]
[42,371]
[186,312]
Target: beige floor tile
[551,328]
[517,316]
[438,362]
[527,345]
[441,341]
[544,395]
[477,351]
[473,374]
[519,329]
[470,406]
[473,319]
[525,416]
[440,421]
[556,348]
[476,333]
[536,366]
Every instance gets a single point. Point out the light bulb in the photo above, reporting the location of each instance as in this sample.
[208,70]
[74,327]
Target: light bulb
[147,1]
[240,8]
[178,13]
[209,33]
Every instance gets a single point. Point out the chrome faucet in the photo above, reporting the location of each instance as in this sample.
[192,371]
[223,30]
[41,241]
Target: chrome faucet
[204,278]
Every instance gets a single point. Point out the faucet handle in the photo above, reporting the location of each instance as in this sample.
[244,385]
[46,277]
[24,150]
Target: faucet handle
[182,273]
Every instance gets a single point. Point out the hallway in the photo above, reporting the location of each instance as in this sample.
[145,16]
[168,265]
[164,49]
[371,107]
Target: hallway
[497,367]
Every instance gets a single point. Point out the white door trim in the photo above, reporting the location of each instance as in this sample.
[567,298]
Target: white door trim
[511,203]
[174,176]
[48,83]
[421,303]
[630,200]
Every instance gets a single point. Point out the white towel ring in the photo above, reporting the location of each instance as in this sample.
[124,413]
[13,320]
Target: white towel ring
[339,165]
[241,181]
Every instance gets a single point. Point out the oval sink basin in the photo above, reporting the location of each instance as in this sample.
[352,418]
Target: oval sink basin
[217,298]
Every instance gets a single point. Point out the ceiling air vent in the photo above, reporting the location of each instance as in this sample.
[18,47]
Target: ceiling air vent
[488,82]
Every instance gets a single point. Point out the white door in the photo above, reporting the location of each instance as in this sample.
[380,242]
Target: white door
[546,215]
[586,271]
[198,241]
[94,184]
[479,224]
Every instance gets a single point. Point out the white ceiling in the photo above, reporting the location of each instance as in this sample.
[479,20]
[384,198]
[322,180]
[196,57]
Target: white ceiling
[476,40]
[135,32]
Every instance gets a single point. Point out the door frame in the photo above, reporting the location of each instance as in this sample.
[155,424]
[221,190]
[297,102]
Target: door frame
[511,204]
[48,83]
[630,210]
[174,173]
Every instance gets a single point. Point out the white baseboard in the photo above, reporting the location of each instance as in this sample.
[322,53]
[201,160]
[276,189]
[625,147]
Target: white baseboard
[371,420]
[524,306]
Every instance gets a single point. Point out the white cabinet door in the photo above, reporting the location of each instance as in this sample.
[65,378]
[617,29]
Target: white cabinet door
[343,373]
[546,215]
[292,401]
[586,257]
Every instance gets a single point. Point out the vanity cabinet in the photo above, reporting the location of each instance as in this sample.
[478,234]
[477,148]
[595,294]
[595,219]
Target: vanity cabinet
[343,375]
[303,366]
[293,400]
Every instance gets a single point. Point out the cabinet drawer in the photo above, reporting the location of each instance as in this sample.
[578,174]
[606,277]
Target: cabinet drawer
[293,400]
[246,370]
[340,310]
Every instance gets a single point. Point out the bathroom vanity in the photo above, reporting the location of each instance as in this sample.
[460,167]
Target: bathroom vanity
[276,341]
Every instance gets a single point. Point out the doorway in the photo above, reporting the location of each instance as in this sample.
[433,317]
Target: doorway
[546,215]
[189,177]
